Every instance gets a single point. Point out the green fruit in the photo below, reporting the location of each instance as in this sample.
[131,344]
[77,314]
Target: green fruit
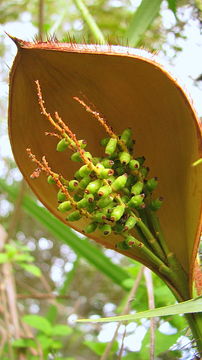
[104,142]
[105,229]
[78,196]
[84,171]
[82,143]
[125,199]
[74,216]
[156,204]
[104,191]
[76,157]
[126,136]
[134,164]
[51,180]
[107,163]
[88,155]
[144,171]
[140,159]
[131,241]
[136,201]
[73,185]
[91,207]
[110,179]
[90,228]
[103,202]
[65,206]
[119,183]
[137,188]
[111,146]
[99,217]
[62,145]
[120,171]
[93,186]
[61,196]
[151,184]
[130,181]
[130,223]
[96,160]
[77,176]
[124,157]
[105,173]
[84,182]
[117,212]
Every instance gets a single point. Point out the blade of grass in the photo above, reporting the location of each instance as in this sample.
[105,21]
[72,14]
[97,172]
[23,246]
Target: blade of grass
[62,232]
[87,17]
[186,307]
[142,19]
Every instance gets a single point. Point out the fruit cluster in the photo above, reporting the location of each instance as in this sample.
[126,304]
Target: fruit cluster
[111,191]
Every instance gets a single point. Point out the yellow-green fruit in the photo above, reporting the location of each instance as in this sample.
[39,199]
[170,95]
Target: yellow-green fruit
[126,136]
[137,188]
[156,204]
[151,184]
[90,228]
[76,157]
[93,186]
[84,171]
[62,145]
[74,216]
[119,183]
[84,182]
[104,191]
[65,206]
[105,229]
[124,157]
[134,164]
[103,202]
[51,180]
[61,196]
[73,185]
[99,217]
[136,201]
[117,212]
[111,146]
[130,223]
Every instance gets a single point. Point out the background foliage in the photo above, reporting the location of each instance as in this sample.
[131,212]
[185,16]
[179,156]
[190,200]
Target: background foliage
[50,276]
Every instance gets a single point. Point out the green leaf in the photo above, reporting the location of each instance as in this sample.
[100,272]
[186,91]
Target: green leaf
[23,343]
[52,313]
[45,342]
[172,5]
[190,306]
[99,348]
[56,344]
[142,19]
[39,323]
[3,258]
[23,257]
[162,343]
[61,330]
[66,358]
[62,232]
[33,269]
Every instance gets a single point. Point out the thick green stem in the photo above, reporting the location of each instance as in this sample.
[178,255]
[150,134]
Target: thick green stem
[178,281]
[97,33]
[151,239]
[195,323]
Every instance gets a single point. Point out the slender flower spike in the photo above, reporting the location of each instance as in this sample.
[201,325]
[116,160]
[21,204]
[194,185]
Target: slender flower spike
[126,89]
